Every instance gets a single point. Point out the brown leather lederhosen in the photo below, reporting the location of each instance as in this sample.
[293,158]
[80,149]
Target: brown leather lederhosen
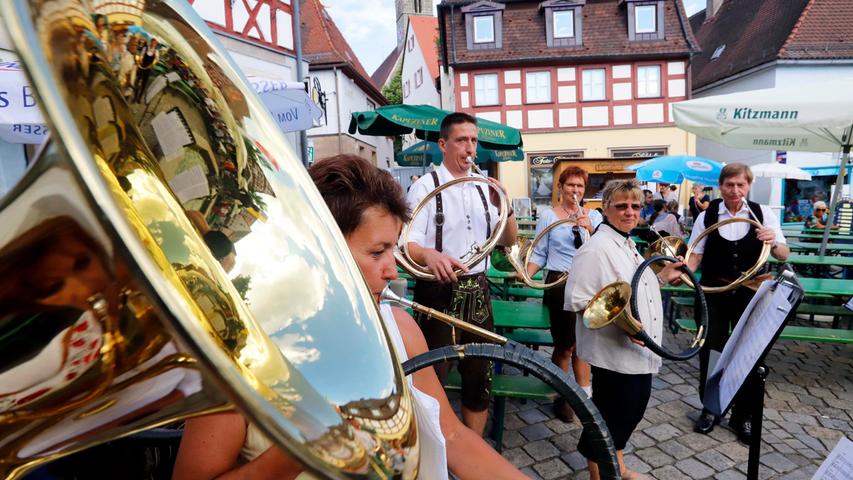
[467,299]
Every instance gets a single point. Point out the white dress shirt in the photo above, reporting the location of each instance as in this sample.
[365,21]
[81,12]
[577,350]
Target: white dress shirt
[606,258]
[464,217]
[735,231]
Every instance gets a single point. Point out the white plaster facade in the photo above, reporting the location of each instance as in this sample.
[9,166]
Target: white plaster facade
[422,89]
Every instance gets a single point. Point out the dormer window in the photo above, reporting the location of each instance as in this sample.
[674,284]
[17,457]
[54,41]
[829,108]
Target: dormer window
[563,22]
[645,19]
[484,29]
[484,25]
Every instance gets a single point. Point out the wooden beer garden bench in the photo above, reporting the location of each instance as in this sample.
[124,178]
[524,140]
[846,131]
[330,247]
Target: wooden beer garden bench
[795,332]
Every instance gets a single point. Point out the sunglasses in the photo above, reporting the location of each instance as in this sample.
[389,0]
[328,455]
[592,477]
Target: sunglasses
[624,206]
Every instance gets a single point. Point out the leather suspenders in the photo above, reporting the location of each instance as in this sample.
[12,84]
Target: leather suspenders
[439,214]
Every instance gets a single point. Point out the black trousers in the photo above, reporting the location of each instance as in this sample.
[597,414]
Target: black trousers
[724,311]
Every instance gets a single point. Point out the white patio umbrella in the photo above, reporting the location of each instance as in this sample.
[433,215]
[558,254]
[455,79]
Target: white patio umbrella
[814,119]
[779,170]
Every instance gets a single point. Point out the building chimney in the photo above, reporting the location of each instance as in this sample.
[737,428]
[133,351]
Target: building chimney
[713,6]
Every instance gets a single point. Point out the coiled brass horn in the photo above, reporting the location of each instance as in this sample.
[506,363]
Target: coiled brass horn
[518,255]
[744,276]
[116,317]
[477,254]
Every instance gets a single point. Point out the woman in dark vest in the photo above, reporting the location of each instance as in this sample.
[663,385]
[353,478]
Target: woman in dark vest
[723,255]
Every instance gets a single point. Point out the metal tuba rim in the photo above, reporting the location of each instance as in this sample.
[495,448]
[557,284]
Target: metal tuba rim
[521,257]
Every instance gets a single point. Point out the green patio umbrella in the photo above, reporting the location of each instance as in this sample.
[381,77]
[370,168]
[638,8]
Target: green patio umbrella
[425,152]
[425,122]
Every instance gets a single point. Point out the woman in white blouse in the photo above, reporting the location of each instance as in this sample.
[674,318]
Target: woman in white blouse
[621,368]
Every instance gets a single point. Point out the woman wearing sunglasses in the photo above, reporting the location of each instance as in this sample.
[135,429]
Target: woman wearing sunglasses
[621,368]
[555,253]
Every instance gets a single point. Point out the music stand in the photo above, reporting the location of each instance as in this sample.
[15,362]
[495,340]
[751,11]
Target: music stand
[748,345]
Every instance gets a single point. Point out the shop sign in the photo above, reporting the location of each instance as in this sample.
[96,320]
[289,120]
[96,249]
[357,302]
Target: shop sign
[549,159]
[638,152]
[610,166]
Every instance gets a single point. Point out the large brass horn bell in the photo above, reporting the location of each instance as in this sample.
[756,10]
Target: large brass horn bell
[518,255]
[115,316]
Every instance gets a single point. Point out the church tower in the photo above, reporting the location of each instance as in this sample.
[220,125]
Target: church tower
[406,8]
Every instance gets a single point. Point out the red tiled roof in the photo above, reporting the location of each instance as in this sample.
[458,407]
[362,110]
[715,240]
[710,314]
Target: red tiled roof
[426,30]
[755,32]
[324,45]
[823,32]
[386,68]
[605,34]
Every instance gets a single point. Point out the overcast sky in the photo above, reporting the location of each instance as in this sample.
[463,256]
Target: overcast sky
[370,26]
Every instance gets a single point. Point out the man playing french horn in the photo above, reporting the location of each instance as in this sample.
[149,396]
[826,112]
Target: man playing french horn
[555,253]
[457,220]
[723,255]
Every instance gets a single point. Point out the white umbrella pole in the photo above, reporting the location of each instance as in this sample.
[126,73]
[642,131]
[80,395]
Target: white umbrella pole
[839,184]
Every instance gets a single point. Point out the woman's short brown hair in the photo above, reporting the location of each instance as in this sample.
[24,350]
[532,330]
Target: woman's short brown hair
[350,185]
[735,169]
[574,171]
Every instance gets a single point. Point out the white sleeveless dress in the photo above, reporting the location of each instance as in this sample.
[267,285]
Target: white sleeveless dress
[433,464]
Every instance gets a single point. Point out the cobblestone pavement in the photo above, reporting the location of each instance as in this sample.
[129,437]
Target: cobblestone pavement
[808,407]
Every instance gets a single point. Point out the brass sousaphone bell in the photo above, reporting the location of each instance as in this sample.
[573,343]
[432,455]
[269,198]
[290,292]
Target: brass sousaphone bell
[115,316]
[519,254]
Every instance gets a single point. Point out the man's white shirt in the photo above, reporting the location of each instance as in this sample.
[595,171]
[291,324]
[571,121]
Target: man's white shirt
[464,217]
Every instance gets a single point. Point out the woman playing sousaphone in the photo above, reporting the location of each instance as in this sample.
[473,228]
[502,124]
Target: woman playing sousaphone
[555,253]
[621,367]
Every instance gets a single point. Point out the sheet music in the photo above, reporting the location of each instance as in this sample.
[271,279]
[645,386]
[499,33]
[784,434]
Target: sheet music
[190,184]
[171,134]
[756,328]
[839,464]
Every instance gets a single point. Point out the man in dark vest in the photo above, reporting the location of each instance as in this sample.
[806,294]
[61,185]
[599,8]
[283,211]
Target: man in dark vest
[445,231]
[723,255]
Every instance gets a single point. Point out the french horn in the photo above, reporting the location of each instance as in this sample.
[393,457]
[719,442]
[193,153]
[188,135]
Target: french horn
[519,254]
[477,254]
[744,276]
[616,304]
[115,317]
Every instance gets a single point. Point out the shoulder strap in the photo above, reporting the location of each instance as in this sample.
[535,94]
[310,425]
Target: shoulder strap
[712,213]
[488,213]
[439,215]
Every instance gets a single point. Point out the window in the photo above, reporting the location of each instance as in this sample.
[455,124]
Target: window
[483,25]
[648,81]
[484,29]
[564,23]
[593,84]
[538,87]
[419,77]
[371,105]
[486,89]
[719,51]
[410,44]
[645,19]
[406,89]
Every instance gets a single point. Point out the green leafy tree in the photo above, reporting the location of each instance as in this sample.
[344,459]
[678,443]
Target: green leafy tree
[393,92]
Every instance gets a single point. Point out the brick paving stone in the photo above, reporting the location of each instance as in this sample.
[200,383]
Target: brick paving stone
[566,442]
[513,439]
[671,378]
[792,428]
[667,395]
[694,468]
[729,474]
[697,441]
[518,457]
[684,389]
[512,422]
[778,462]
[668,472]
[803,473]
[632,462]
[676,449]
[654,457]
[779,433]
[534,415]
[823,433]
[735,451]
[553,468]
[641,440]
[530,473]
[799,418]
[715,460]
[558,426]
[575,460]
[662,432]
[693,401]
[541,450]
[536,431]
